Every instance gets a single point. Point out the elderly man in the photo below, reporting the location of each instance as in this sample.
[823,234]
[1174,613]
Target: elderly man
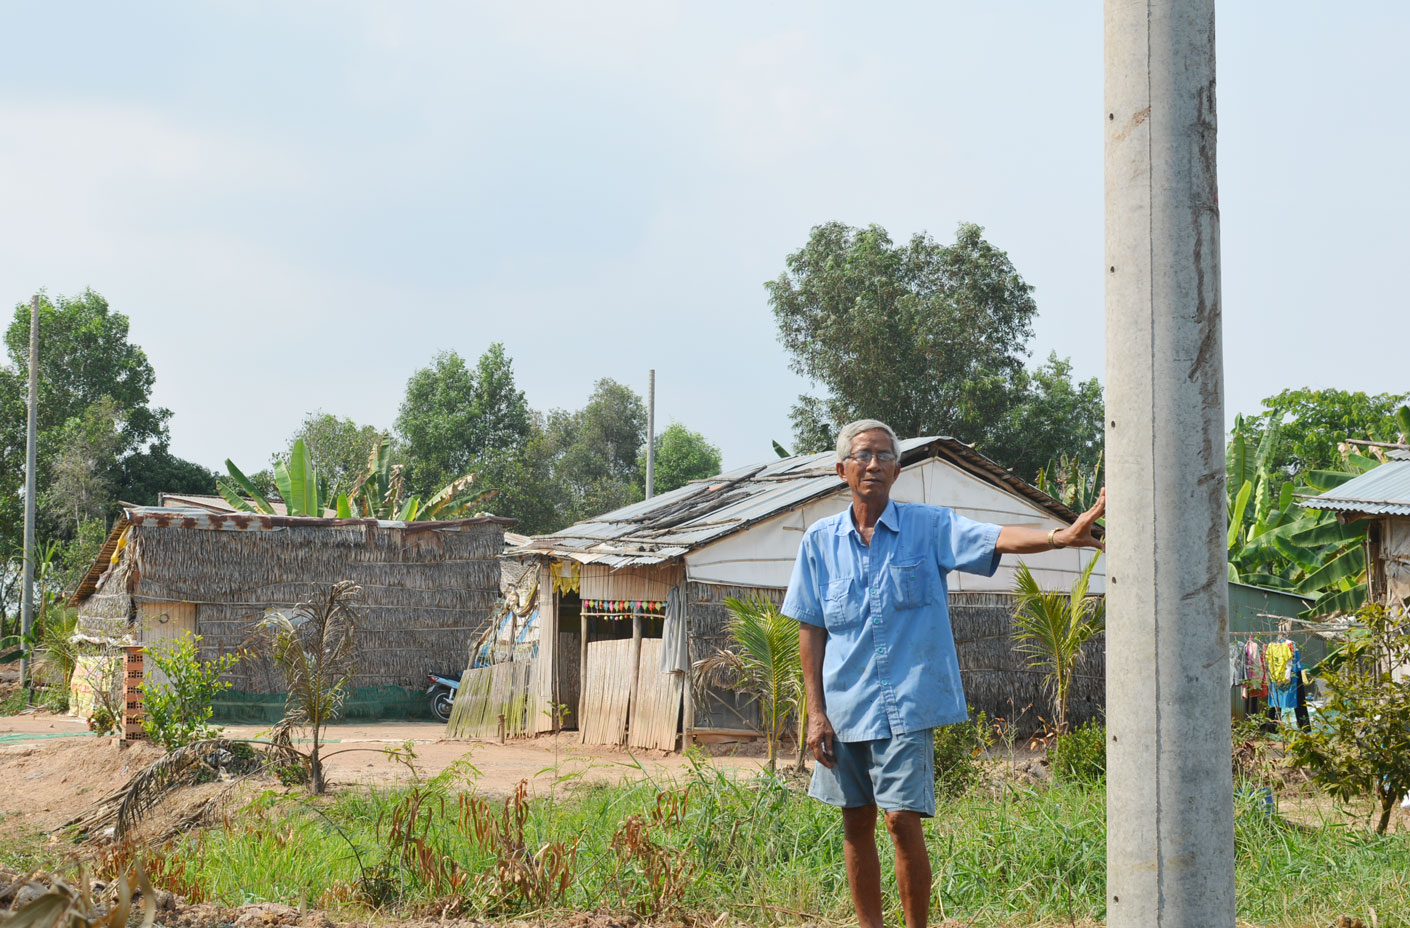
[879,664]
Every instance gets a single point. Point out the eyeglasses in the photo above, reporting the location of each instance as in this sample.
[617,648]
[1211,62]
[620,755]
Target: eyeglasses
[864,457]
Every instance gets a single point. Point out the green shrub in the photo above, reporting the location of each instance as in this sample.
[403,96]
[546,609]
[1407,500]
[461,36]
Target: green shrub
[959,754]
[1079,756]
[102,721]
[175,713]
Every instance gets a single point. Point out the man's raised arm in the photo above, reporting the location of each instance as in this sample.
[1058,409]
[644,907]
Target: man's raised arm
[1014,539]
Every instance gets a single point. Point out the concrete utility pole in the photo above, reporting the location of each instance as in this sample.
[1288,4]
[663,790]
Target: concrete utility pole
[1170,831]
[651,436]
[27,576]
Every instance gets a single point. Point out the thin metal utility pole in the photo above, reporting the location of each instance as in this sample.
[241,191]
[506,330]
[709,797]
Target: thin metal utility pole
[27,577]
[1170,832]
[651,436]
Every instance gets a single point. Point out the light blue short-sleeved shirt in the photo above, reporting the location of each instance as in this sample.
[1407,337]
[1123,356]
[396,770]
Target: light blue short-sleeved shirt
[889,665]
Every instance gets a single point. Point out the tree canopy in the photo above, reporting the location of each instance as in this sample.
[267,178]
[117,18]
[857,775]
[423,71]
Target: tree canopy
[930,338]
[100,437]
[453,415]
[338,447]
[592,453]
[1312,423]
[84,356]
[1052,419]
[681,456]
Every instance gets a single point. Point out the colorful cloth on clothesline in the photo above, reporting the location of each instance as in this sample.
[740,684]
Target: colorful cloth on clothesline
[1279,656]
[1255,671]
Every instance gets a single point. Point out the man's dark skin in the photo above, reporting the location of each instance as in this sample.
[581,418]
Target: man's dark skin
[871,491]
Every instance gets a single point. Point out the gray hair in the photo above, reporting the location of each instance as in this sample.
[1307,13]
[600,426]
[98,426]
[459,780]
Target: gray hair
[852,429]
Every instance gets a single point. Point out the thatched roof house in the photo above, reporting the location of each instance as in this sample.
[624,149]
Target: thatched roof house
[630,598]
[428,588]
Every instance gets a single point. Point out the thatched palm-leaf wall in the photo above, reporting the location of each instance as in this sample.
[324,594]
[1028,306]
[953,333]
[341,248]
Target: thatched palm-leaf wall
[996,677]
[428,588]
[108,611]
[708,616]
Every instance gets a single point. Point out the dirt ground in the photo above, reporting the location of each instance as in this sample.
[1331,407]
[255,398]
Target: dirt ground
[53,768]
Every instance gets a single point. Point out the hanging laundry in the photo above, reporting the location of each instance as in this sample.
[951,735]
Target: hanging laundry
[1279,656]
[1285,678]
[1255,682]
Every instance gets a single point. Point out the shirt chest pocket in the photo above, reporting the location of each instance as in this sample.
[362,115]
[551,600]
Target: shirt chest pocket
[910,584]
[840,608]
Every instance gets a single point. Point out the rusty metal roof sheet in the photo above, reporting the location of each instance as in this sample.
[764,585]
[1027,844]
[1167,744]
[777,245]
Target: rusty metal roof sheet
[671,524]
[1383,490]
[198,518]
[216,503]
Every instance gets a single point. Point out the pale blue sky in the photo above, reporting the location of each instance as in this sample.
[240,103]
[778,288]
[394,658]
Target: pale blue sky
[298,204]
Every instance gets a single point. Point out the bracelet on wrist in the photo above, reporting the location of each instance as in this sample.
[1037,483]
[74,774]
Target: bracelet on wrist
[1052,539]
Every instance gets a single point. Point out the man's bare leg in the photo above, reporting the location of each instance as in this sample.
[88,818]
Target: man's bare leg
[863,865]
[912,866]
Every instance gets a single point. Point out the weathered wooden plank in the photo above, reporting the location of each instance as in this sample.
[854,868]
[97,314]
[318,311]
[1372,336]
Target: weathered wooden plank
[606,690]
[655,717]
[485,694]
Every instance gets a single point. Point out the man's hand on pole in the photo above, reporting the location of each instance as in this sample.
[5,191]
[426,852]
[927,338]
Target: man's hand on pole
[1079,534]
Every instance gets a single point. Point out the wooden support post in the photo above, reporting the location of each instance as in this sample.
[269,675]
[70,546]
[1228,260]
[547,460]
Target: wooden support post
[582,678]
[688,710]
[636,663]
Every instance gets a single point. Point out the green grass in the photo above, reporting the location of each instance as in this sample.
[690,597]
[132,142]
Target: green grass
[762,852]
[14,702]
[23,850]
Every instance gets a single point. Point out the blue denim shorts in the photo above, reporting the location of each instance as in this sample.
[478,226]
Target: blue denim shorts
[894,774]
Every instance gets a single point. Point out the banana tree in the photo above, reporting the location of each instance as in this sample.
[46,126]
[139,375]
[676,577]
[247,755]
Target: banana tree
[381,494]
[302,489]
[1283,546]
[1072,481]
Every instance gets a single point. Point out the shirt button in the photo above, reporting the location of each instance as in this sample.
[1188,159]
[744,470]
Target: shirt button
[884,683]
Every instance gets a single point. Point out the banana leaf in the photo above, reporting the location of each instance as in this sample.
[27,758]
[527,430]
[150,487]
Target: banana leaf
[1329,532]
[1338,602]
[409,510]
[1320,481]
[1236,459]
[1271,581]
[1362,461]
[243,486]
[1349,565]
[293,480]
[1266,447]
[1236,518]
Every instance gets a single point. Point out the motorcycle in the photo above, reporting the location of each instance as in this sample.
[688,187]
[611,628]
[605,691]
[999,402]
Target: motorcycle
[442,693]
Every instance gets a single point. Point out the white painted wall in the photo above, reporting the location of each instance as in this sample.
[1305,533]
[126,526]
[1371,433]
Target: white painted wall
[763,555]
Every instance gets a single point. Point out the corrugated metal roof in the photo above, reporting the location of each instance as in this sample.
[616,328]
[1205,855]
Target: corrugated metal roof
[1383,490]
[1399,454]
[215,503]
[672,524]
